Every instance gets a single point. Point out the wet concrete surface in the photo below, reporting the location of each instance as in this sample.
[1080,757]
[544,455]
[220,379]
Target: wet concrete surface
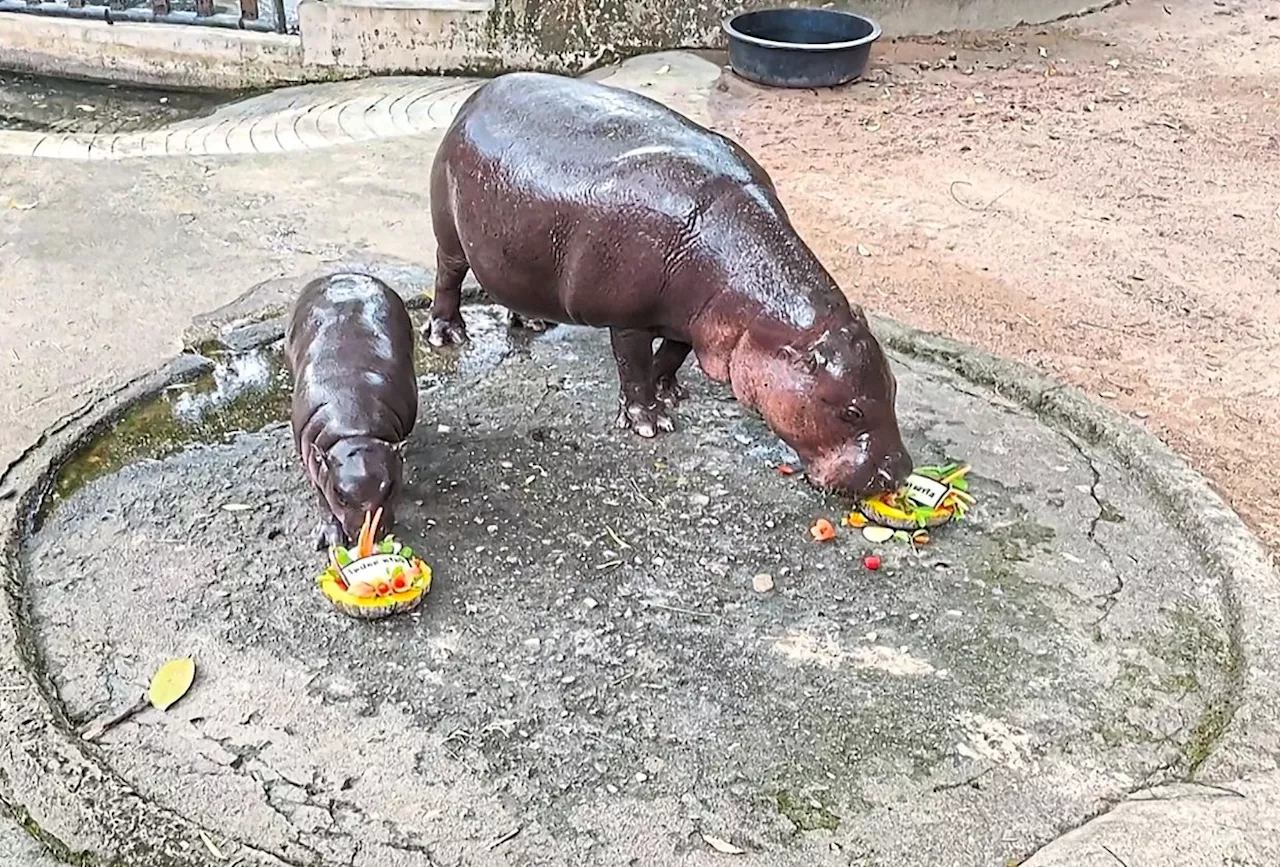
[42,104]
[593,679]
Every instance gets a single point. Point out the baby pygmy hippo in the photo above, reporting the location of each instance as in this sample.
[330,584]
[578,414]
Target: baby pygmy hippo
[355,397]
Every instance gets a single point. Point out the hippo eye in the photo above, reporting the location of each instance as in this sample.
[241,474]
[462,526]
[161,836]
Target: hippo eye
[851,414]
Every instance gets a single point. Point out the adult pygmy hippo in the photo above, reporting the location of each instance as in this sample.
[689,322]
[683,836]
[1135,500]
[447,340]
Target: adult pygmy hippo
[577,202]
[355,397]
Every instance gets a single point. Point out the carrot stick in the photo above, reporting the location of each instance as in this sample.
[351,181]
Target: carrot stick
[364,544]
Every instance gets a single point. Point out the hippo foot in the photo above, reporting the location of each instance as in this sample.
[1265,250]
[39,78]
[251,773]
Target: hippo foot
[515,320]
[644,420]
[671,392]
[446,332]
[328,533]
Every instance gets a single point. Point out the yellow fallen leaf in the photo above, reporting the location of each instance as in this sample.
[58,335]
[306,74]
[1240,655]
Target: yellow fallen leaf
[724,847]
[171,682]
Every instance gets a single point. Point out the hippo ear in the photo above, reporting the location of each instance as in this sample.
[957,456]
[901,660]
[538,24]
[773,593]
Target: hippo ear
[803,361]
[320,459]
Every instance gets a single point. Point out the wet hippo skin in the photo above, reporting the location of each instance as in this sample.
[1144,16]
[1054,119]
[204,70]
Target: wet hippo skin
[575,202]
[355,397]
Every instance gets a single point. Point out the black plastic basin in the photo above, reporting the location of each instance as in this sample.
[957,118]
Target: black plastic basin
[800,47]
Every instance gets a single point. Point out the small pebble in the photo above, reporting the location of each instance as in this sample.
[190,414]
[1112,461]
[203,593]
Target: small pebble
[762,583]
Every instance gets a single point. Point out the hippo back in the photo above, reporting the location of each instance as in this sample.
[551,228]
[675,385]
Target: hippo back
[568,128]
[350,350]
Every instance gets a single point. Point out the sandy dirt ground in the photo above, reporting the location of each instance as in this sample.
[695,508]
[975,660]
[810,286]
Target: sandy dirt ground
[1100,198]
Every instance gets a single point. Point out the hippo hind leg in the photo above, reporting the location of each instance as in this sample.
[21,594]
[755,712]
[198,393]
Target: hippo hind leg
[638,407]
[666,364]
[515,320]
[444,324]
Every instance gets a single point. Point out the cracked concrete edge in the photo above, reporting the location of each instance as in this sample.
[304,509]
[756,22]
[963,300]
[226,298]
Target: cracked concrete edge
[87,815]
[1248,738]
[51,780]
[265,305]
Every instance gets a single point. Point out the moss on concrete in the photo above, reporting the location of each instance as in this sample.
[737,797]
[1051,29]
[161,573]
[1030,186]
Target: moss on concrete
[807,814]
[154,430]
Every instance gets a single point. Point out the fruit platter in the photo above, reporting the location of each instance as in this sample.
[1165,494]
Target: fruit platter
[374,579]
[931,497]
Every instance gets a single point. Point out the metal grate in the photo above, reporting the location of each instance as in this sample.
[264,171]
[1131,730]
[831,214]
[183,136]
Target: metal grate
[238,14]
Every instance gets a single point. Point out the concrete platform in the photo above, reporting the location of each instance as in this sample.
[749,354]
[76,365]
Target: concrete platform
[593,679]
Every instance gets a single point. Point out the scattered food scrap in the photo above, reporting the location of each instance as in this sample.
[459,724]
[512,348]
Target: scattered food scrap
[931,497]
[822,530]
[724,847]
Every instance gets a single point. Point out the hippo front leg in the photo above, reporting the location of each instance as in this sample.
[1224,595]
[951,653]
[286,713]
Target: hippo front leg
[444,323]
[638,406]
[328,531]
[666,364]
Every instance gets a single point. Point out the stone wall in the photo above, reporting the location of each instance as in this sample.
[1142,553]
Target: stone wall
[351,38]
[568,36]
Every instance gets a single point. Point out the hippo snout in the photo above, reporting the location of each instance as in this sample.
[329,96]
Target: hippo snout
[353,520]
[861,472]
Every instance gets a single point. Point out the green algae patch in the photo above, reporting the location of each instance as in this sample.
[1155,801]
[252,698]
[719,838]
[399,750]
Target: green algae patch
[806,814]
[206,410]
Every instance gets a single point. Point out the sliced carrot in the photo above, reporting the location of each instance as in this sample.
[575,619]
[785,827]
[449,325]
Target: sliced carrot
[822,531]
[363,537]
[373,531]
[368,531]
